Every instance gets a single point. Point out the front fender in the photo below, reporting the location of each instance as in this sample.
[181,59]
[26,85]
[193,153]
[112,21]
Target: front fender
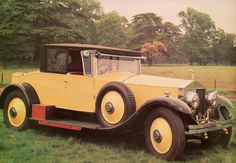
[224,102]
[168,102]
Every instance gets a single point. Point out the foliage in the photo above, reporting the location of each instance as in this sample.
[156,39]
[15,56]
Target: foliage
[146,28]
[230,48]
[196,42]
[112,30]
[223,47]
[170,36]
[151,50]
[25,25]
[218,48]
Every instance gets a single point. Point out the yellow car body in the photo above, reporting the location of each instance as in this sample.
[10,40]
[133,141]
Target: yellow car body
[57,89]
[87,86]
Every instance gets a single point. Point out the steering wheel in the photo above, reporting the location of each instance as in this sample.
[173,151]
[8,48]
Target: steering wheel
[104,67]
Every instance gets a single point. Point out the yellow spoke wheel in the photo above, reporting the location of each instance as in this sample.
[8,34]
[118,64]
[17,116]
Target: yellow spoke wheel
[161,135]
[15,111]
[112,107]
[164,134]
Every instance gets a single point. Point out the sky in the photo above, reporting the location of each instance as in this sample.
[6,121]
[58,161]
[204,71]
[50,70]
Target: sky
[222,12]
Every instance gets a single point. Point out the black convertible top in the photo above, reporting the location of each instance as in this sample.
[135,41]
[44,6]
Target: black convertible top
[101,49]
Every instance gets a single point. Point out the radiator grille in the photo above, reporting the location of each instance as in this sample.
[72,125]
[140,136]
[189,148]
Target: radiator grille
[202,106]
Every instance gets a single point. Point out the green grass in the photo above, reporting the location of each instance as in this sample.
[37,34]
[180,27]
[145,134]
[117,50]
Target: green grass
[223,91]
[46,144]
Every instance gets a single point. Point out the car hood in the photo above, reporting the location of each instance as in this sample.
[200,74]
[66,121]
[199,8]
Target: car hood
[149,80]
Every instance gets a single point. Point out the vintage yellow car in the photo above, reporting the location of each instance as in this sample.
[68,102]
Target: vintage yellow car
[87,86]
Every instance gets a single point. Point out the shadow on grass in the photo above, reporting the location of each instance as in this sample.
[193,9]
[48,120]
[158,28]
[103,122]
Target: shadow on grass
[127,139]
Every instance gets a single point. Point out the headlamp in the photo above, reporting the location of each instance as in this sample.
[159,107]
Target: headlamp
[212,99]
[193,100]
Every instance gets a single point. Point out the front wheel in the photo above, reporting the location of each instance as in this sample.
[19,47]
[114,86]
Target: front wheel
[16,111]
[164,134]
[115,104]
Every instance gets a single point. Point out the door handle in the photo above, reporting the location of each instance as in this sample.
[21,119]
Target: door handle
[66,83]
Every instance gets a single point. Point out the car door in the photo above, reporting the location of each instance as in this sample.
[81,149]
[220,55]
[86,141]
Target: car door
[80,87]
[79,93]
[50,84]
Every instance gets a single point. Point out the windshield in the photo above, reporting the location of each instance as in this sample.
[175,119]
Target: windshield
[107,63]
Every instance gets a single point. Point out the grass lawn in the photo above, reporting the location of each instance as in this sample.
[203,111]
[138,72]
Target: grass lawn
[46,144]
[225,76]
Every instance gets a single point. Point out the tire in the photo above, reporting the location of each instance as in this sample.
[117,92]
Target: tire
[164,134]
[219,137]
[115,103]
[16,111]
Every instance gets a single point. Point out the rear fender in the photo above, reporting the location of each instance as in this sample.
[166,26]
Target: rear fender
[29,92]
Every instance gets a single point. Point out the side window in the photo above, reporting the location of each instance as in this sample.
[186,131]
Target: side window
[56,60]
[87,60]
[74,65]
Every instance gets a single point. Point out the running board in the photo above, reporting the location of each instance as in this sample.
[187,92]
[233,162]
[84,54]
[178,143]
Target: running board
[43,114]
[68,124]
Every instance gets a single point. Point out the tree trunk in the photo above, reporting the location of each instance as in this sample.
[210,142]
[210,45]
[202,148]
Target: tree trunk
[150,61]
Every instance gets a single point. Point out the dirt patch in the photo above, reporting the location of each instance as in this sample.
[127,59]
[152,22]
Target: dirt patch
[230,96]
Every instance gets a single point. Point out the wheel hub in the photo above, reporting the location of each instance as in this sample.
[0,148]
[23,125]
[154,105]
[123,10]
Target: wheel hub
[13,112]
[157,136]
[109,107]
[112,107]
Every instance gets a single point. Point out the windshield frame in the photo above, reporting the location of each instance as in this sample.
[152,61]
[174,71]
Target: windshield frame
[99,56]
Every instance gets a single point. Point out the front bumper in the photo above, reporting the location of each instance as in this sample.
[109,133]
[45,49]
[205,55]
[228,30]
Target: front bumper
[211,126]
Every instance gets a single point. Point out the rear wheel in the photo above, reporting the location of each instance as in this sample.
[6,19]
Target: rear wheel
[16,111]
[164,134]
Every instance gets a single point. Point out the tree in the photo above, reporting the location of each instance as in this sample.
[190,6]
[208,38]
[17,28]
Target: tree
[146,28]
[170,35]
[27,24]
[230,45]
[112,30]
[196,42]
[222,47]
[151,50]
[217,46]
